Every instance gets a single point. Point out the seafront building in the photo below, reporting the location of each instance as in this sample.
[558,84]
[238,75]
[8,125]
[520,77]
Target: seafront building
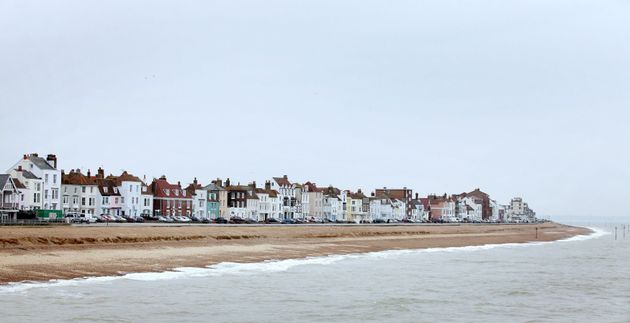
[36,185]
[46,170]
[10,199]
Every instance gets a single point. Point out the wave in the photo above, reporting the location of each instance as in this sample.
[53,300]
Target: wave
[229,268]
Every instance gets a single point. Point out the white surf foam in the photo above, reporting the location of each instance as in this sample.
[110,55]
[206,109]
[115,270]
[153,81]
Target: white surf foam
[229,268]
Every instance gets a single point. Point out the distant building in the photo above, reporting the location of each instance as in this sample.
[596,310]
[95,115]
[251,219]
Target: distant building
[46,169]
[79,193]
[200,199]
[287,195]
[33,191]
[315,207]
[404,195]
[220,194]
[170,199]
[10,199]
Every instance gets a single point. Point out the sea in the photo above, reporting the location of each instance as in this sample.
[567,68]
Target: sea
[580,279]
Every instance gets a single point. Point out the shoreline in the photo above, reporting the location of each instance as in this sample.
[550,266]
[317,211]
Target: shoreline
[49,253]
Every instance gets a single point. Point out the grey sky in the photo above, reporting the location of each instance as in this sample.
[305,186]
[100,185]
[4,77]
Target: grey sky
[527,98]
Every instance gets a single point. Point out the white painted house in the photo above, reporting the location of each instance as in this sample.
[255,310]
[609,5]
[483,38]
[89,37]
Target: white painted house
[46,169]
[286,194]
[33,191]
[200,199]
[79,193]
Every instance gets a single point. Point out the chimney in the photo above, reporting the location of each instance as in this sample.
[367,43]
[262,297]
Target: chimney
[52,159]
[417,196]
[285,177]
[89,174]
[268,185]
[195,181]
[253,185]
[227,182]
[34,155]
[179,184]
[20,168]
[25,157]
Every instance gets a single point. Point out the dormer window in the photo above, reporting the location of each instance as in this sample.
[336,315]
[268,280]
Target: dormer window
[144,189]
[176,192]
[105,189]
[166,192]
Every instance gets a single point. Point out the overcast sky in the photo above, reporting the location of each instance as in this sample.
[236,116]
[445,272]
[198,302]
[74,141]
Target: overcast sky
[519,98]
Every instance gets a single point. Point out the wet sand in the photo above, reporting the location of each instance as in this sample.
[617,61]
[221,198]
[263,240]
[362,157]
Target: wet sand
[64,252]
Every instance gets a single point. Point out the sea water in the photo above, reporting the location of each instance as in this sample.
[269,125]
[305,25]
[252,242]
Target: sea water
[583,279]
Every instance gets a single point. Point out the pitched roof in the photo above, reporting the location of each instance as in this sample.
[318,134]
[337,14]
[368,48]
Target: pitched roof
[125,177]
[3,180]
[400,194]
[214,187]
[18,184]
[282,181]
[237,188]
[41,163]
[146,190]
[163,189]
[106,187]
[76,178]
[28,175]
[312,187]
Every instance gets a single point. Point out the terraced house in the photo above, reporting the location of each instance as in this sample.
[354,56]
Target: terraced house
[46,169]
[79,193]
[32,191]
[170,199]
[9,199]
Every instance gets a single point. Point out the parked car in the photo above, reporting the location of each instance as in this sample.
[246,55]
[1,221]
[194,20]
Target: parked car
[206,221]
[237,220]
[377,221]
[87,218]
[220,221]
[288,221]
[272,221]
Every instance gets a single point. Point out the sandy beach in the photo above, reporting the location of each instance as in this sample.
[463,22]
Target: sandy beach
[44,253]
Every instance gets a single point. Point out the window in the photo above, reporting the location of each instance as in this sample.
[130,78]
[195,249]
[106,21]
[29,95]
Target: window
[65,199]
[122,199]
[46,178]
[91,189]
[54,178]
[82,189]
[83,201]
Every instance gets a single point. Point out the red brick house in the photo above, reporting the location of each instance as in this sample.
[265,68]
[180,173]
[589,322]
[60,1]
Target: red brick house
[483,198]
[404,194]
[170,199]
